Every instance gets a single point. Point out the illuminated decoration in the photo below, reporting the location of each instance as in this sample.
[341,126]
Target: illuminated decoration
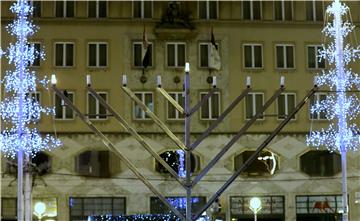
[340,109]
[139,217]
[181,166]
[20,111]
[271,158]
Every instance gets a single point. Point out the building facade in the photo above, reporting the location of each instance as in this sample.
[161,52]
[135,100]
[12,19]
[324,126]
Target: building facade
[260,39]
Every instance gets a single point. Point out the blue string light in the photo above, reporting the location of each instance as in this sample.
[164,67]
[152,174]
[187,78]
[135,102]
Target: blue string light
[19,111]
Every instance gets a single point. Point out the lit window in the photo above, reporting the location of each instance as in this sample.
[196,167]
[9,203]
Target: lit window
[148,99]
[283,10]
[251,10]
[158,207]
[176,54]
[321,207]
[62,111]
[139,51]
[314,10]
[267,163]
[313,59]
[172,112]
[254,101]
[64,9]
[317,98]
[97,54]
[253,56]
[285,56]
[210,110]
[208,9]
[286,104]
[205,52]
[320,163]
[64,54]
[142,9]
[97,9]
[173,159]
[97,111]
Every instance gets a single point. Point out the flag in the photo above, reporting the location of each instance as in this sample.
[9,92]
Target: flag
[214,59]
[145,52]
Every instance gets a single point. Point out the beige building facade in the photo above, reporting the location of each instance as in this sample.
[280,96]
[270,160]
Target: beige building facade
[264,40]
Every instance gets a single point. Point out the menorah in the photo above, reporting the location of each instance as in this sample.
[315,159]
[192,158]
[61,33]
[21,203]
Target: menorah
[187,182]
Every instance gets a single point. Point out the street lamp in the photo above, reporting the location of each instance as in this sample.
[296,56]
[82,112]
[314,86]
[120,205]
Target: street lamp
[255,206]
[39,209]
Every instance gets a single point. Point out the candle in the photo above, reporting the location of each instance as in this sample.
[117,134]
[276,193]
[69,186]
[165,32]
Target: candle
[248,81]
[187,67]
[282,81]
[124,80]
[88,80]
[158,80]
[53,79]
[214,81]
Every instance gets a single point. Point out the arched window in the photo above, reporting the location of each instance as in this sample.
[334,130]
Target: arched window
[320,163]
[40,165]
[172,157]
[267,163]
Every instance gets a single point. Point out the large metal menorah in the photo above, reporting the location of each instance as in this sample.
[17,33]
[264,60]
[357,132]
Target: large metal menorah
[188,183]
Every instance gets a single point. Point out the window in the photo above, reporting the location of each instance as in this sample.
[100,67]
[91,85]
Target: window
[97,54]
[93,164]
[97,9]
[313,59]
[97,111]
[42,162]
[285,56]
[64,9]
[142,9]
[286,104]
[139,51]
[36,9]
[35,112]
[158,207]
[64,54]
[251,10]
[37,53]
[62,111]
[272,208]
[267,163]
[210,110]
[320,163]
[176,54]
[283,10]
[172,112]
[252,55]
[205,53]
[172,157]
[82,208]
[317,98]
[8,208]
[148,99]
[322,207]
[254,101]
[208,9]
[314,10]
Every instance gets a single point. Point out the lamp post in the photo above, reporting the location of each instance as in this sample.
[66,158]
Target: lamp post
[255,206]
[39,209]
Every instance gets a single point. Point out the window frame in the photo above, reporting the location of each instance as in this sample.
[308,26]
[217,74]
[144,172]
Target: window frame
[39,57]
[98,10]
[253,108]
[31,94]
[175,43]
[284,46]
[64,108]
[286,105]
[208,44]
[317,47]
[283,14]
[252,45]
[318,118]
[208,10]
[64,9]
[217,93]
[97,108]
[143,114]
[41,9]
[177,113]
[97,43]
[251,11]
[133,54]
[142,9]
[314,15]
[64,43]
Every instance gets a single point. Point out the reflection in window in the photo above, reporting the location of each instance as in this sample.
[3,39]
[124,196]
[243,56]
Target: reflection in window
[267,163]
[320,163]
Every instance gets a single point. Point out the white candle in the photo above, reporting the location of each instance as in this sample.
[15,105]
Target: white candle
[214,81]
[315,80]
[53,79]
[124,80]
[88,79]
[248,81]
[282,81]
[187,67]
[158,80]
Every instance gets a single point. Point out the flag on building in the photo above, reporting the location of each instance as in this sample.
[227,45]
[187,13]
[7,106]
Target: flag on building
[145,56]
[214,58]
